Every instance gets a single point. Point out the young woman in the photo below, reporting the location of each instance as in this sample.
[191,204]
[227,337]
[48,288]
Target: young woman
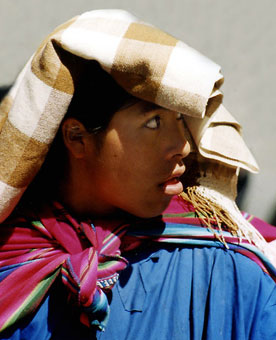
[105,201]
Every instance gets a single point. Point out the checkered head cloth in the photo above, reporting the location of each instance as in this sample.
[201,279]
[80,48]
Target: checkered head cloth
[218,137]
[146,62]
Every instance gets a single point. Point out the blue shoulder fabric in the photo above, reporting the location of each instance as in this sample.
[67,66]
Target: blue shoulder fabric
[170,293]
[55,320]
[192,293]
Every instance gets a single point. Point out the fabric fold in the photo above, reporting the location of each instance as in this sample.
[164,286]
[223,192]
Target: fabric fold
[147,62]
[35,252]
[38,250]
[218,136]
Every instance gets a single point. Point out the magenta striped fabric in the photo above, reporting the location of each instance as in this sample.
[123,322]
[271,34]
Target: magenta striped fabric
[35,250]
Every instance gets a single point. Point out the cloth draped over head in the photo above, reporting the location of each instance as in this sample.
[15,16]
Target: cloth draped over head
[153,66]
[147,62]
[218,137]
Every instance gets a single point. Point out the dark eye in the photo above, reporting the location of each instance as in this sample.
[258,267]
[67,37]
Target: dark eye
[179,116]
[153,123]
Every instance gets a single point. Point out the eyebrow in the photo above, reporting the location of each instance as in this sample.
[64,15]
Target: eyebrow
[148,106]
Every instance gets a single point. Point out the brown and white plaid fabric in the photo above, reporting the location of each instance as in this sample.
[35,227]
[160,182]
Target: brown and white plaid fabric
[148,63]
[218,137]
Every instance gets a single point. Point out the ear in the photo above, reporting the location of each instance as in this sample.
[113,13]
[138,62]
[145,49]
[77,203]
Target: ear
[74,133]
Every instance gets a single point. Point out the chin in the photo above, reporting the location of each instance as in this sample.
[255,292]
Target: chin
[153,210]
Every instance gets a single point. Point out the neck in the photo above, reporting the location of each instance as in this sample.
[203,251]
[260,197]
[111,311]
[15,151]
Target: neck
[74,195]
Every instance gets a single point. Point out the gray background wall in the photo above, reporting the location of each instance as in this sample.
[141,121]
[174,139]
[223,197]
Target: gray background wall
[239,35]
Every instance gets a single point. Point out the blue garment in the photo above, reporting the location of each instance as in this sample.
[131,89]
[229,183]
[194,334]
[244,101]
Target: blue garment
[171,293]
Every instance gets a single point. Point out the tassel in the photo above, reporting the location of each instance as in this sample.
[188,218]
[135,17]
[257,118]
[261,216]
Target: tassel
[224,213]
[211,188]
[209,212]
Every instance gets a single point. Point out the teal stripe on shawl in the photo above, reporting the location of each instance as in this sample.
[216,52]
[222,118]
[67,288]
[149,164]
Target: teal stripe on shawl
[31,302]
[183,234]
[38,250]
[46,244]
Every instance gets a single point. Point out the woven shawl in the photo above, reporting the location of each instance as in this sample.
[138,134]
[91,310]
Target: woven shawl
[145,61]
[38,247]
[35,251]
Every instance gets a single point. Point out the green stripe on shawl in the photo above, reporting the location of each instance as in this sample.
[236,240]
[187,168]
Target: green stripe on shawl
[32,300]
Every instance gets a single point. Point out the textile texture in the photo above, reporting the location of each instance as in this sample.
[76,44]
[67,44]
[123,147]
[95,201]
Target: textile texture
[34,252]
[218,137]
[148,63]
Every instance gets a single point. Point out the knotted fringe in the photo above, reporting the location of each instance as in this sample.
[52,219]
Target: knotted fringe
[208,212]
[214,208]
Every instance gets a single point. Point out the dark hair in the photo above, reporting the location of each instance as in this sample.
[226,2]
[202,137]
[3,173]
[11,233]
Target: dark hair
[96,98]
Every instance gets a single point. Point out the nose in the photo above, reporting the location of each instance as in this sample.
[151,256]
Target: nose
[179,147]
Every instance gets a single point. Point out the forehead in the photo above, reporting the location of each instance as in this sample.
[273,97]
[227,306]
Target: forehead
[141,107]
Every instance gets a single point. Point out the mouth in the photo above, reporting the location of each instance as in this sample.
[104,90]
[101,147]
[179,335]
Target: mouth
[173,186]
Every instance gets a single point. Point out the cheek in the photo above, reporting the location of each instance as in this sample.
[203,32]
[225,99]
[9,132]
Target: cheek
[114,164]
[125,173]
[129,162]
[136,165]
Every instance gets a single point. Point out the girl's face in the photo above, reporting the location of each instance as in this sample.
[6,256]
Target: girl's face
[135,164]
